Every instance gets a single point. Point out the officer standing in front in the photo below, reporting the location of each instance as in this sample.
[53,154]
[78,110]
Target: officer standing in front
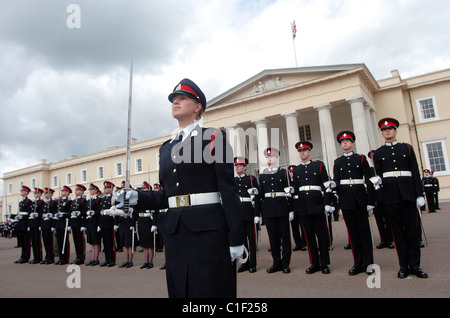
[310,183]
[248,188]
[49,211]
[92,217]
[61,225]
[106,225]
[429,189]
[77,224]
[276,201]
[21,226]
[34,226]
[401,186]
[356,193]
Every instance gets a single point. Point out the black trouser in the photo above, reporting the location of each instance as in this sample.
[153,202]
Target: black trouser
[63,255]
[358,228]
[23,240]
[404,221]
[299,237]
[79,242]
[382,223]
[108,237]
[250,241]
[430,201]
[47,239]
[35,237]
[314,227]
[279,236]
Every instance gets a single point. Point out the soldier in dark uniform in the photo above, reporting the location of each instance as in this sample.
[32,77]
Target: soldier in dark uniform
[310,183]
[160,219]
[248,188]
[356,193]
[21,226]
[396,165]
[49,210]
[384,229]
[276,201]
[436,190]
[202,228]
[61,225]
[34,226]
[429,189]
[92,218]
[77,224]
[126,230]
[147,225]
[297,232]
[106,224]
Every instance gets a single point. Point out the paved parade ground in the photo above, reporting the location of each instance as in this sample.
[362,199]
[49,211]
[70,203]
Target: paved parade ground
[51,281]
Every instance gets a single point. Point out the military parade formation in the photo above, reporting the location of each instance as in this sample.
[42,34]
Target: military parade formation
[206,213]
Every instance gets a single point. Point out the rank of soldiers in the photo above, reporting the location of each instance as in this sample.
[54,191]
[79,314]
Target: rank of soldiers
[303,198]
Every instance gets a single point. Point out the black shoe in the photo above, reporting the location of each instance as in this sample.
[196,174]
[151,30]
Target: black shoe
[402,273]
[312,269]
[273,269]
[347,247]
[326,270]
[34,261]
[355,270]
[150,265]
[89,263]
[96,262]
[163,267]
[145,265]
[111,264]
[286,270]
[391,245]
[49,261]
[419,272]
[296,248]
[21,261]
[382,245]
[421,245]
[124,264]
[369,270]
[63,262]
[104,264]
[243,268]
[129,264]
[252,270]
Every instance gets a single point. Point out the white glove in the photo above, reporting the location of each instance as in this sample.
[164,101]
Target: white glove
[291,216]
[82,229]
[28,229]
[53,229]
[370,207]
[252,191]
[116,227]
[98,228]
[256,220]
[376,182]
[328,208]
[34,214]
[329,184]
[236,253]
[153,229]
[90,213]
[69,229]
[420,201]
[131,196]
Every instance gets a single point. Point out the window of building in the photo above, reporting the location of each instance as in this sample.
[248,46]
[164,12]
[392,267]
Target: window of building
[9,188]
[55,181]
[69,178]
[305,132]
[83,176]
[32,184]
[436,156]
[118,169]
[139,165]
[427,109]
[100,173]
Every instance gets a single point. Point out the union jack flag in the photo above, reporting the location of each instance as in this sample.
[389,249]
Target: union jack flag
[294,29]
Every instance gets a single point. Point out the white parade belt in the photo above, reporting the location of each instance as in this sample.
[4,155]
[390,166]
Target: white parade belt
[245,199]
[397,174]
[310,188]
[274,194]
[145,214]
[187,200]
[352,181]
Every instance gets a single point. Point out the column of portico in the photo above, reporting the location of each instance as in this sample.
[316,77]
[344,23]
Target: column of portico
[292,137]
[370,130]
[263,141]
[327,136]
[236,140]
[373,118]
[359,125]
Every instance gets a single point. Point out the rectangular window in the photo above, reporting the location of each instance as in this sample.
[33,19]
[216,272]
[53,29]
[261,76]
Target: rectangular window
[68,178]
[427,109]
[32,184]
[118,169]
[83,176]
[100,173]
[305,132]
[138,165]
[9,188]
[55,181]
[436,156]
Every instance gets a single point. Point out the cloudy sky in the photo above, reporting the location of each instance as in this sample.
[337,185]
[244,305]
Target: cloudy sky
[64,70]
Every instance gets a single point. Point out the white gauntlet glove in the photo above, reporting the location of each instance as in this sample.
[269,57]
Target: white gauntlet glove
[420,201]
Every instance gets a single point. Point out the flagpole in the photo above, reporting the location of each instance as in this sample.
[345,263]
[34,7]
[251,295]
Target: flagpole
[294,34]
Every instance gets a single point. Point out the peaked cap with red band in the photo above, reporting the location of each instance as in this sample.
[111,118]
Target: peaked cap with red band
[291,167]
[108,184]
[38,190]
[388,123]
[93,187]
[25,188]
[370,153]
[271,152]
[81,187]
[66,188]
[346,135]
[303,145]
[189,88]
[240,161]
[48,190]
